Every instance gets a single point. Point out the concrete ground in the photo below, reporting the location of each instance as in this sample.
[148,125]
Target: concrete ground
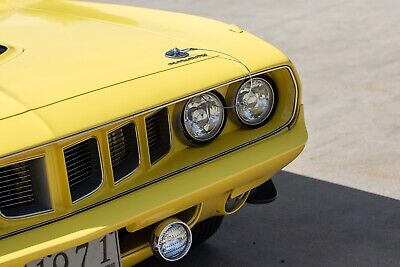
[348,56]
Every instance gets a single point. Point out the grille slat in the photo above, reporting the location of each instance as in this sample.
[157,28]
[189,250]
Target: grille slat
[124,151]
[14,180]
[28,195]
[77,147]
[3,175]
[158,135]
[116,135]
[17,183]
[120,153]
[152,134]
[117,150]
[119,160]
[152,123]
[79,178]
[152,141]
[78,164]
[74,155]
[117,145]
[29,199]
[75,174]
[84,173]
[7,192]
[23,188]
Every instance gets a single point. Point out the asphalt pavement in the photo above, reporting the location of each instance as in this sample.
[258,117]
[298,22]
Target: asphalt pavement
[337,206]
[311,223]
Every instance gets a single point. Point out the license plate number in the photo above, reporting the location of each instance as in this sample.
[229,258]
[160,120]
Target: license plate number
[102,252]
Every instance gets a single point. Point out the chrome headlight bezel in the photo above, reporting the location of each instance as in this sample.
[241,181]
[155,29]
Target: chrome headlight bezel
[179,122]
[232,99]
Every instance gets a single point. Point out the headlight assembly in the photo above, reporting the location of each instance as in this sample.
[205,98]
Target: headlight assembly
[253,102]
[202,118]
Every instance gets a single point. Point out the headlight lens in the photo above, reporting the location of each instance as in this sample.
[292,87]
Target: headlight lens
[254,102]
[203,117]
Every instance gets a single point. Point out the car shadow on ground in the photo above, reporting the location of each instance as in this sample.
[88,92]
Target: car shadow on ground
[312,223]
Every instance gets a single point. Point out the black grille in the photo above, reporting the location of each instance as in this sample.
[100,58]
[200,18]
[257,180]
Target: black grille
[124,151]
[158,138]
[16,185]
[2,49]
[23,188]
[83,168]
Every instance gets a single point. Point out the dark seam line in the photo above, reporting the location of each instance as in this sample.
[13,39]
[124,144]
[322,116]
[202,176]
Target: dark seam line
[147,110]
[161,178]
[107,86]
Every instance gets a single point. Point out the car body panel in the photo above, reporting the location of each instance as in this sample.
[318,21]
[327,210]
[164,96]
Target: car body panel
[260,160]
[67,55]
[179,157]
[76,70]
[69,59]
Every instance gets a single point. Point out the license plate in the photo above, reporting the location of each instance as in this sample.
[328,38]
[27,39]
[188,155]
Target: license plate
[102,252]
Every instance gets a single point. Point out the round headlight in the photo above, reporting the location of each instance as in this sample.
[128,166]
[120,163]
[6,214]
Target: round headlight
[172,240]
[203,118]
[254,102]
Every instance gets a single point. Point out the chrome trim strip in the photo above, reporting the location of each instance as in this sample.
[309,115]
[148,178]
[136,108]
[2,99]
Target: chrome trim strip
[101,168]
[138,149]
[48,191]
[162,106]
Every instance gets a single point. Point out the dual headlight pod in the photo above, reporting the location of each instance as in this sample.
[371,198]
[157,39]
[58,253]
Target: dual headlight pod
[202,118]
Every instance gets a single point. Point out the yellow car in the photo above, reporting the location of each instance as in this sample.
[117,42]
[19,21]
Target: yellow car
[128,132]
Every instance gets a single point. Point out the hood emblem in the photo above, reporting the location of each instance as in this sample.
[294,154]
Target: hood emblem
[176,53]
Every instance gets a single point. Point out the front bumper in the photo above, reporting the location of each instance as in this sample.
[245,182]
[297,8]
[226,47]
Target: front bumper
[234,174]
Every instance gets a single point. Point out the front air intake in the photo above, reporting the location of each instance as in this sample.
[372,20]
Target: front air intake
[124,151]
[158,136]
[83,168]
[23,188]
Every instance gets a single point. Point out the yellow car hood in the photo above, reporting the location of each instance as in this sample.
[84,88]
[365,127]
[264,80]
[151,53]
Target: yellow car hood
[68,52]
[65,58]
